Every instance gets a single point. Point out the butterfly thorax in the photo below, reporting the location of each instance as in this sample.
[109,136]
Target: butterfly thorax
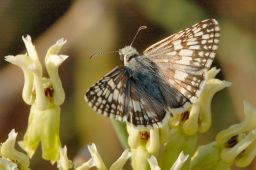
[136,62]
[127,53]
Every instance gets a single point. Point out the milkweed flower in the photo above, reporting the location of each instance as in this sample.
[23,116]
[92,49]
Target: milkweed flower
[179,162]
[10,158]
[176,166]
[208,156]
[7,165]
[198,117]
[153,163]
[238,142]
[234,145]
[44,95]
[64,163]
[97,161]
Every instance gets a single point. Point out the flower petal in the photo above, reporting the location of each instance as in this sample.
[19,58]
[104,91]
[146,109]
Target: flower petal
[153,163]
[64,163]
[32,52]
[55,49]
[140,158]
[49,132]
[7,165]
[180,161]
[246,125]
[23,61]
[133,137]
[8,151]
[200,115]
[119,164]
[52,64]
[153,144]
[97,160]
[87,165]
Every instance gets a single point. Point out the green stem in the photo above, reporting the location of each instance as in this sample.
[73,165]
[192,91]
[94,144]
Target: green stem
[121,132]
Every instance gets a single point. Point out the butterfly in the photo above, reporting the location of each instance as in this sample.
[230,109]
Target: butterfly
[166,79]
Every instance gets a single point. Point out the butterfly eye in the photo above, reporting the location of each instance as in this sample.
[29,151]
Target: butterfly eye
[122,57]
[121,54]
[128,58]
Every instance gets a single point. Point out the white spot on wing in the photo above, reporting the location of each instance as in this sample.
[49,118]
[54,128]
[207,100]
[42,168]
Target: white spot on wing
[212,54]
[136,106]
[184,60]
[121,99]
[119,85]
[194,47]
[195,30]
[110,97]
[111,83]
[217,34]
[180,75]
[177,45]
[173,53]
[199,34]
[99,93]
[203,41]
[216,40]
[99,100]
[215,47]
[204,25]
[186,52]
[205,36]
[192,42]
[115,94]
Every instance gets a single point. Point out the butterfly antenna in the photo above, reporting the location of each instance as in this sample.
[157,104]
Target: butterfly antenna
[139,29]
[101,53]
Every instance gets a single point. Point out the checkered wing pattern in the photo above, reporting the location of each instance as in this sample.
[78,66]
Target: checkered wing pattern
[116,95]
[184,57]
[144,110]
[107,95]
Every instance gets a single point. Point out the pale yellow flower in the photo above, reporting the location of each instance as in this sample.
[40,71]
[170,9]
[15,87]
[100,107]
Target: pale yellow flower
[179,134]
[64,163]
[238,142]
[11,158]
[178,164]
[45,95]
[234,145]
[96,160]
[7,165]
[199,115]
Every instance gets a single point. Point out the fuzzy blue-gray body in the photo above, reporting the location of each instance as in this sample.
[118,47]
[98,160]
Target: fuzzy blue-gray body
[146,76]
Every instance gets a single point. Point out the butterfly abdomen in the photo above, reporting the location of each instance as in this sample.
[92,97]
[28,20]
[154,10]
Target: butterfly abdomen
[146,76]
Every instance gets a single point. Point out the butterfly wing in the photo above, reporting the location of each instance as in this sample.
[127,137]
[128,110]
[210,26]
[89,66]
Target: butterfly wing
[145,110]
[107,95]
[116,95]
[184,57]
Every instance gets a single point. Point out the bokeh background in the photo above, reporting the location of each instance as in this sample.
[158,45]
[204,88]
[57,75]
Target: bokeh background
[106,25]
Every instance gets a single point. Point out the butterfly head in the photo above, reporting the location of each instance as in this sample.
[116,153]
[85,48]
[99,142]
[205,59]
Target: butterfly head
[127,53]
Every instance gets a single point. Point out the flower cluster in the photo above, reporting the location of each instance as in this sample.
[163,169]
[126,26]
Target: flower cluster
[45,95]
[172,146]
[179,134]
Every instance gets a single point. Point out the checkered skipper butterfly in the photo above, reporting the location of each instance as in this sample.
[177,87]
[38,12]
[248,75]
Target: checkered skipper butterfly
[166,79]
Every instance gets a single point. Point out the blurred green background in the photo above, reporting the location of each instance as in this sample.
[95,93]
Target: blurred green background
[106,25]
